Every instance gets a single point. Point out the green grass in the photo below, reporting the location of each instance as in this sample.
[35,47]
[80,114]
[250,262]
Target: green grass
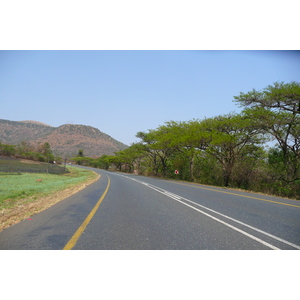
[16,187]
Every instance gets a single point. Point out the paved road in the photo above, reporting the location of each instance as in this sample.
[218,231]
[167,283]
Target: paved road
[122,211]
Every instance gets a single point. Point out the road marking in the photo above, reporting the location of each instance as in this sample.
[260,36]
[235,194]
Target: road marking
[200,187]
[245,196]
[249,226]
[171,195]
[216,219]
[231,226]
[72,242]
[181,199]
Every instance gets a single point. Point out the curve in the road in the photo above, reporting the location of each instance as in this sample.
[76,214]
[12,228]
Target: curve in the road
[181,200]
[72,242]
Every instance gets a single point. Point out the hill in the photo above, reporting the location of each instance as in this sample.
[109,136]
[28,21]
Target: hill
[35,122]
[64,140]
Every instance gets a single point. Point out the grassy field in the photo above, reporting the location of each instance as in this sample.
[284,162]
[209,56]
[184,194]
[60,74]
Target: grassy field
[22,195]
[19,166]
[31,185]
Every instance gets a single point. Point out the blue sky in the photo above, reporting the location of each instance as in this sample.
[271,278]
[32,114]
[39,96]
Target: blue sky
[123,92]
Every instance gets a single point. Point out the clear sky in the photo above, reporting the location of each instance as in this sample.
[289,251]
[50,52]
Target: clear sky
[123,92]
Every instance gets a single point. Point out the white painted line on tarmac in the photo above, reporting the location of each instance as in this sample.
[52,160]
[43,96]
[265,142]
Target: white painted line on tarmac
[180,199]
[220,221]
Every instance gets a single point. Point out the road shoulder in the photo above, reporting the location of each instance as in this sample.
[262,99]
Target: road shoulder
[20,212]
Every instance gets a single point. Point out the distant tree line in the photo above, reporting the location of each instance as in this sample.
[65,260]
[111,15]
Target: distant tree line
[42,152]
[228,150]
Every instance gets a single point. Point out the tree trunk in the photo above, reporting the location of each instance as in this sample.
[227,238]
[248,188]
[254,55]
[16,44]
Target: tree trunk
[192,169]
[227,170]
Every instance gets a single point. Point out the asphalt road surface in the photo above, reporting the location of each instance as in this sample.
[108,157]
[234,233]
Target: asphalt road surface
[123,211]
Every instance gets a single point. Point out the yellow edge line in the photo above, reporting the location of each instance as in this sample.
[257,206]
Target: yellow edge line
[72,242]
[198,187]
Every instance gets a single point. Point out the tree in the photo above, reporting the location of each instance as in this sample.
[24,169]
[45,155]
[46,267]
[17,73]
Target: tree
[227,137]
[80,153]
[158,147]
[280,96]
[84,161]
[117,160]
[7,150]
[276,110]
[147,140]
[103,162]
[181,139]
[24,148]
[45,149]
[132,156]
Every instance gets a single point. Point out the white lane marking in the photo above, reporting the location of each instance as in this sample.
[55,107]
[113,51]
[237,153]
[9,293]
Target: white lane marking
[249,226]
[220,221]
[177,198]
[171,195]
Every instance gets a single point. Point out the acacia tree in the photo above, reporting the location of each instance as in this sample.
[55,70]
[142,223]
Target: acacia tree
[227,137]
[103,162]
[276,110]
[148,140]
[134,155]
[124,158]
[165,144]
[117,160]
[223,137]
[280,96]
[182,139]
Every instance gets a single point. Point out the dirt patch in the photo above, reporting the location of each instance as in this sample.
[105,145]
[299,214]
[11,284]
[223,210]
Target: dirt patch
[32,162]
[25,209]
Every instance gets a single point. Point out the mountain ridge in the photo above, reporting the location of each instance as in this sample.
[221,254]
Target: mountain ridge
[65,140]
[34,122]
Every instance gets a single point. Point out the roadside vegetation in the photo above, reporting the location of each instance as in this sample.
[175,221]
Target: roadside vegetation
[25,150]
[25,194]
[257,149]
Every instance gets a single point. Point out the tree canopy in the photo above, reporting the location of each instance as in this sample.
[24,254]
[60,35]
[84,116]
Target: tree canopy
[226,150]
